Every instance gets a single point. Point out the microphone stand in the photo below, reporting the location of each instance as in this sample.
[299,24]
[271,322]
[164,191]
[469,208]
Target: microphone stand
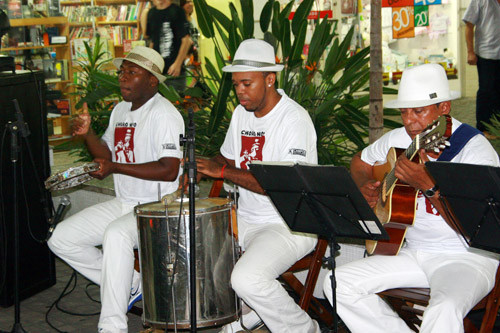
[189,141]
[16,127]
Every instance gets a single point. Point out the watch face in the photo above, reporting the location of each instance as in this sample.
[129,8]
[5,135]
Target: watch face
[430,192]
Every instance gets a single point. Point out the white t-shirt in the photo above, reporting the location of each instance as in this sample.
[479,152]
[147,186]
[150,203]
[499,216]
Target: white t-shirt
[286,133]
[430,231]
[140,136]
[485,15]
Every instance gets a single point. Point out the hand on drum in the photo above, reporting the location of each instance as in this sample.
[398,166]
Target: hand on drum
[106,167]
[81,124]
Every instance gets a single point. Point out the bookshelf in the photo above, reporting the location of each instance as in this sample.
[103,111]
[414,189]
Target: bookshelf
[116,20]
[61,77]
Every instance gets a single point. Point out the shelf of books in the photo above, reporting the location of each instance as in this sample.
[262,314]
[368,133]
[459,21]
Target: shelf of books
[41,43]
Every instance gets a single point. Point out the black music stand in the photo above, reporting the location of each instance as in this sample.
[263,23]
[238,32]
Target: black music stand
[473,194]
[321,200]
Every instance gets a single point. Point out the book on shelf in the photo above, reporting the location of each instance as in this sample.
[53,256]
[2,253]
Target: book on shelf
[15,37]
[59,107]
[112,13]
[14,9]
[55,70]
[128,44]
[40,5]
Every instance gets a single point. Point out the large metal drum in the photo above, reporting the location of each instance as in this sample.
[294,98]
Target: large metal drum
[165,263]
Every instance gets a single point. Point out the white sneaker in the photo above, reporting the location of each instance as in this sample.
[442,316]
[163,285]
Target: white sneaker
[135,296]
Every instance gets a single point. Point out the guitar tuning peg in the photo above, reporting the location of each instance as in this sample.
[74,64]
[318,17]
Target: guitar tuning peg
[436,149]
[447,143]
[442,146]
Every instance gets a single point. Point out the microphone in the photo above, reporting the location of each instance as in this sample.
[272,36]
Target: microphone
[63,203]
[23,127]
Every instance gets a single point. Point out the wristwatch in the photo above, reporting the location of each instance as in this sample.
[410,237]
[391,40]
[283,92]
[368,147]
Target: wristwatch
[431,192]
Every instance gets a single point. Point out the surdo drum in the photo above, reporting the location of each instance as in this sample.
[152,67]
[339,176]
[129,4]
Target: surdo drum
[165,263]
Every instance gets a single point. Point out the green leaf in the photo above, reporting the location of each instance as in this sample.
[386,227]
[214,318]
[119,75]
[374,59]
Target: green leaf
[219,108]
[223,20]
[205,22]
[234,40]
[265,16]
[248,18]
[275,22]
[320,40]
[295,56]
[301,15]
[235,18]
[285,41]
[285,13]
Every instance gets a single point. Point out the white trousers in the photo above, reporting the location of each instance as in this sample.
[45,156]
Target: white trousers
[270,249]
[111,224]
[457,282]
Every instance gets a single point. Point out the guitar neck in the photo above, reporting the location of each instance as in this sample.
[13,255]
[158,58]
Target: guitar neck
[410,152]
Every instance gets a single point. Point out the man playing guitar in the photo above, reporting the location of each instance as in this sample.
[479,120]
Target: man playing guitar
[435,256]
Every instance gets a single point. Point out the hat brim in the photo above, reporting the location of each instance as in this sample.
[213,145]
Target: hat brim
[243,68]
[398,104]
[118,62]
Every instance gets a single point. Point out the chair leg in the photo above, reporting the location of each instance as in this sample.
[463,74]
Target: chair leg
[307,301]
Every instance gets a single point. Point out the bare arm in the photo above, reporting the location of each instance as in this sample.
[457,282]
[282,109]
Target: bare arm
[362,174]
[213,168]
[469,39]
[175,68]
[165,169]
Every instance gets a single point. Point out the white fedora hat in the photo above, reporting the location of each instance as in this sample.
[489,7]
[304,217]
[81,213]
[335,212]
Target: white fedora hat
[421,86]
[147,58]
[254,55]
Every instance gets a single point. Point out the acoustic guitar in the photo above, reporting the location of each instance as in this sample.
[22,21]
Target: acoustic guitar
[397,201]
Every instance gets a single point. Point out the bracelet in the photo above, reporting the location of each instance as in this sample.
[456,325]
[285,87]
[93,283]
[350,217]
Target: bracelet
[222,171]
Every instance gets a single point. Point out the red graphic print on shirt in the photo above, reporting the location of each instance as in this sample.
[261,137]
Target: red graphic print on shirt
[429,208]
[251,150]
[124,144]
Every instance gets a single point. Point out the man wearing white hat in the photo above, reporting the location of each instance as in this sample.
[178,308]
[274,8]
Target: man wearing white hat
[266,126]
[482,36]
[149,126]
[435,255]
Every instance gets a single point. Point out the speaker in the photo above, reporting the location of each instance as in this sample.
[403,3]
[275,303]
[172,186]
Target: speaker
[34,203]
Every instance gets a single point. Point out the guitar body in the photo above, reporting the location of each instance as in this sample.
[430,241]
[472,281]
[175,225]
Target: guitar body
[395,208]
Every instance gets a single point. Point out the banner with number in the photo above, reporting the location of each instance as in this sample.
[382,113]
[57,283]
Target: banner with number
[421,16]
[427,2]
[403,24]
[397,3]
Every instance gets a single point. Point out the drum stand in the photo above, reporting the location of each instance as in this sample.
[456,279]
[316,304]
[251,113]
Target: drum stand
[189,141]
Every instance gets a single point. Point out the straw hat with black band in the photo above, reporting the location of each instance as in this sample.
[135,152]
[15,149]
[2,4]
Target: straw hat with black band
[146,58]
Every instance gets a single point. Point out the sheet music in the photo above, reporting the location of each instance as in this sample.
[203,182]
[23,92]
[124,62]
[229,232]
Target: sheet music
[370,227]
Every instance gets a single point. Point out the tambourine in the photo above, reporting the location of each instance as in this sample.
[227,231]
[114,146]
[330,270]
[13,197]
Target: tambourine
[71,177]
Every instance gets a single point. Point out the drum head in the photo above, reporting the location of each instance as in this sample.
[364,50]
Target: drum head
[202,205]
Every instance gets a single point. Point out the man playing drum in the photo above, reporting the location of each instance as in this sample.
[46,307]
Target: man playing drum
[266,126]
[141,149]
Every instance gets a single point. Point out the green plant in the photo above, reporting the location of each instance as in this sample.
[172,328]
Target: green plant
[494,130]
[98,89]
[331,82]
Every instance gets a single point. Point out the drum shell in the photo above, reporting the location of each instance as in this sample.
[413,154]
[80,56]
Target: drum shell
[163,239]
